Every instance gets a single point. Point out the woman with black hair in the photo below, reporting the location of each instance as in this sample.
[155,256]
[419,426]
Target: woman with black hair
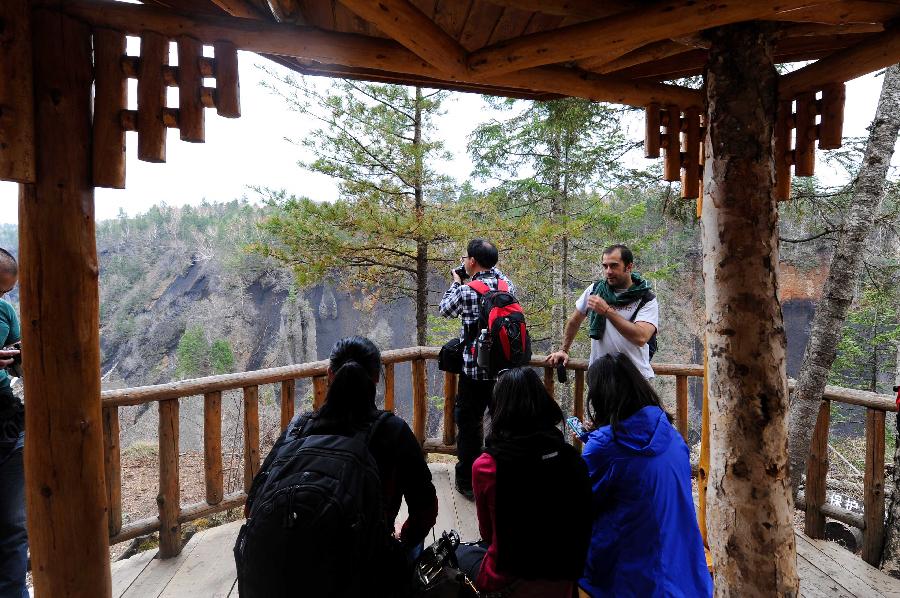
[321,512]
[645,539]
[532,496]
[354,370]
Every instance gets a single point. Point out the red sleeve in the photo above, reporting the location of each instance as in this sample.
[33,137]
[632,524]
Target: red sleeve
[484,484]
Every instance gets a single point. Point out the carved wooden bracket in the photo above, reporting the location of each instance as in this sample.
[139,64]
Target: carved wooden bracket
[680,136]
[830,108]
[112,119]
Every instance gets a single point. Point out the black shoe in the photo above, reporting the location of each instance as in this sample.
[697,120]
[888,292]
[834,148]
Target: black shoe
[466,492]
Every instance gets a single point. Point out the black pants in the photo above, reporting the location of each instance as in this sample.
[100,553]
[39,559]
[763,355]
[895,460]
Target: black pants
[472,398]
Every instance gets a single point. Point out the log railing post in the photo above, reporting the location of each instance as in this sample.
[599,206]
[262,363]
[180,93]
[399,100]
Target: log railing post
[420,401]
[389,387]
[816,474]
[681,405]
[579,400]
[873,488]
[450,381]
[112,461]
[320,389]
[251,434]
[549,381]
[212,446]
[169,497]
[287,402]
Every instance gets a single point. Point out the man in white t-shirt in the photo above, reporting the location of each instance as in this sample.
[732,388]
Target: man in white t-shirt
[622,311]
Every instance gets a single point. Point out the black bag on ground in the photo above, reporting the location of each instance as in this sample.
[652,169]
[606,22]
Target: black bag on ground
[437,573]
[315,522]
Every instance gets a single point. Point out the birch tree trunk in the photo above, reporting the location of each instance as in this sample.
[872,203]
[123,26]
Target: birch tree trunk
[837,295]
[749,511]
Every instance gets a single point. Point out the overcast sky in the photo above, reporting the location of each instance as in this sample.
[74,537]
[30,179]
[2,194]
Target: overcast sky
[252,150]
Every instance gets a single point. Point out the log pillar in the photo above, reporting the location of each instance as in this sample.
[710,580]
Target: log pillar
[65,491]
[750,512]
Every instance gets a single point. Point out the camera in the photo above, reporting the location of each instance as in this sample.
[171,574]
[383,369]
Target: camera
[15,368]
[461,272]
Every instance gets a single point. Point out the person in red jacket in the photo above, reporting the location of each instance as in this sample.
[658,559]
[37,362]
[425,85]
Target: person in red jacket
[532,496]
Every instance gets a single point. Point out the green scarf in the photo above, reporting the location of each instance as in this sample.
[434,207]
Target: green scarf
[596,321]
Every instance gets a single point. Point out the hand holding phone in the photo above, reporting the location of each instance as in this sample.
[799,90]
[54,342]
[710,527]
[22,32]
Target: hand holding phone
[561,374]
[577,428]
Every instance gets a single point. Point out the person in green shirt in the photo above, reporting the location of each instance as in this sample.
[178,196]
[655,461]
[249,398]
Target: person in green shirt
[13,534]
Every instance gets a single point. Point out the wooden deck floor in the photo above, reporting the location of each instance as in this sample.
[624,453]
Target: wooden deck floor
[205,567]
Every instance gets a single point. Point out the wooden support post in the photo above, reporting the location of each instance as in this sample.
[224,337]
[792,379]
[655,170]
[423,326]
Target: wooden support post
[68,530]
[651,131]
[169,497]
[873,488]
[550,381]
[320,390]
[420,400]
[251,435]
[287,403]
[805,152]
[16,93]
[816,473]
[690,173]
[110,98]
[112,461]
[151,93]
[672,144]
[681,405]
[389,387]
[228,89]
[450,382]
[753,549]
[190,82]
[212,447]
[831,127]
[783,155]
[579,400]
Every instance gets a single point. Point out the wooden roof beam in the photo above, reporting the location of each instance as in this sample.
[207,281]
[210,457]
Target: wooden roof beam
[648,53]
[356,51]
[590,9]
[415,31]
[876,52]
[619,34]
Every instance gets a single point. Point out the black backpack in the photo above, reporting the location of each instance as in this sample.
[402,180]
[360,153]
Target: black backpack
[315,521]
[500,313]
[652,344]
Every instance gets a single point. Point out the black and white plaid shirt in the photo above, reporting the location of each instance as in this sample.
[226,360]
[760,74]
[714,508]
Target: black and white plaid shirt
[461,300]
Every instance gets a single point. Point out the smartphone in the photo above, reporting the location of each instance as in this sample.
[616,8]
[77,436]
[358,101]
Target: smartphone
[577,428]
[561,374]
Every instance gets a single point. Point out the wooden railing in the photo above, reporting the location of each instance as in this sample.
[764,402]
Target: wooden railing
[172,514]
[813,500]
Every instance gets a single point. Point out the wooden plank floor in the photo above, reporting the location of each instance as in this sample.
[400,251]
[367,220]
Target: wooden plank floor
[205,567]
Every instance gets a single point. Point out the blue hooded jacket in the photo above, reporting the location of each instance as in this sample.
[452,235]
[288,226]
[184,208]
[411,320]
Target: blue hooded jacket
[645,540]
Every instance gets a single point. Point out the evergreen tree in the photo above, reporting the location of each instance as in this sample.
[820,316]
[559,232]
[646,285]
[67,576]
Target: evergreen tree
[396,217]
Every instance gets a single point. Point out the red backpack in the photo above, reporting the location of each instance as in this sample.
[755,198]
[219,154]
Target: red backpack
[500,313]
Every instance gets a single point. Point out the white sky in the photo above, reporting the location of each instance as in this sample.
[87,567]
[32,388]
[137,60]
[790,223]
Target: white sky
[252,150]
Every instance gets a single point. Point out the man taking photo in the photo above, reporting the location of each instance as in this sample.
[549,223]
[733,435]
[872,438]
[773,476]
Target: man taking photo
[476,384]
[622,312]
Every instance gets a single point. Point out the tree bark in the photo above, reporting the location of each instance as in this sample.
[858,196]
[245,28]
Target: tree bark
[890,554]
[750,511]
[64,470]
[840,286]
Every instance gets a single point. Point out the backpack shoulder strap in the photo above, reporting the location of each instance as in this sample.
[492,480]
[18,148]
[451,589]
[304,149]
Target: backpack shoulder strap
[478,286]
[366,434]
[300,428]
[647,298]
[501,285]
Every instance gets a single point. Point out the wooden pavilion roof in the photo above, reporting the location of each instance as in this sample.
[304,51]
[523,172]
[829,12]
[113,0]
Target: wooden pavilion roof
[625,51]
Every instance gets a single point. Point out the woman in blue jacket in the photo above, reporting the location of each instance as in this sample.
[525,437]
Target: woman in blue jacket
[645,539]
